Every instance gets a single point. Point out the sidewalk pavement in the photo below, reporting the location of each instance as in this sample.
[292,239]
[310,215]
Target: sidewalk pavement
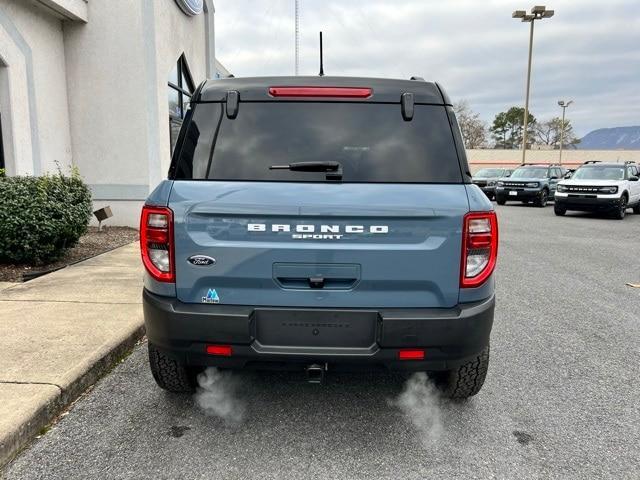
[59,333]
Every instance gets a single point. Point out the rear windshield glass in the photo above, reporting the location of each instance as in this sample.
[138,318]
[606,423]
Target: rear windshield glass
[371,142]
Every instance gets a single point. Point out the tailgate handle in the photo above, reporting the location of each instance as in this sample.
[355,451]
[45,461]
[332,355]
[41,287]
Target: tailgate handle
[316,282]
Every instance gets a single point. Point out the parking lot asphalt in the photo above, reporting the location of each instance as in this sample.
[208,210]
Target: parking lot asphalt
[561,398]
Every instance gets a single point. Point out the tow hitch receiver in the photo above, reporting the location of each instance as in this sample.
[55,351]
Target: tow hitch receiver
[315,373]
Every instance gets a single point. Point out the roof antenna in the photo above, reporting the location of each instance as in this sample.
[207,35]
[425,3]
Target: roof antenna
[321,63]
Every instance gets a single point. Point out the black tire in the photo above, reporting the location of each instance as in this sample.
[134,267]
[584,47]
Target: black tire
[559,210]
[525,201]
[169,373]
[636,208]
[542,198]
[621,211]
[500,200]
[466,380]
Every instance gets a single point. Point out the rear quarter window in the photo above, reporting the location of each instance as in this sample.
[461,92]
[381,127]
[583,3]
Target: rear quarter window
[372,142]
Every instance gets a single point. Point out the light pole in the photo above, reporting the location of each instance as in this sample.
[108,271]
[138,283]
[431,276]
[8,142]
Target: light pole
[564,106]
[537,13]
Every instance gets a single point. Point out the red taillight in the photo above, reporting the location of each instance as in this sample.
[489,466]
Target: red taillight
[411,354]
[340,92]
[220,350]
[156,242]
[479,248]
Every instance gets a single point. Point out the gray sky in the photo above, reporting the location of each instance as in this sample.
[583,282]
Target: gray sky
[589,51]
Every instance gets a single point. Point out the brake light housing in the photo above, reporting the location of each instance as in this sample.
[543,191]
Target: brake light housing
[156,243]
[336,92]
[479,248]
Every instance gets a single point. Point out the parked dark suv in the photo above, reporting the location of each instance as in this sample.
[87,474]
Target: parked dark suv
[319,224]
[530,183]
[486,179]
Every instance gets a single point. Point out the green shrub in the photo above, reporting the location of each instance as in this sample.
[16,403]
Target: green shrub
[40,217]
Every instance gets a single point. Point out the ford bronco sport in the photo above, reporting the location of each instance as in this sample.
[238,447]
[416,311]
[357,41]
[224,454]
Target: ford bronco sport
[600,187]
[319,224]
[529,182]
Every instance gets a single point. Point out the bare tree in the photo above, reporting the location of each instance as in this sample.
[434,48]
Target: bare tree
[548,133]
[474,130]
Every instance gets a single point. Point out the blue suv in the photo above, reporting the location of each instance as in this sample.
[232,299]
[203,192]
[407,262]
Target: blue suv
[530,183]
[319,224]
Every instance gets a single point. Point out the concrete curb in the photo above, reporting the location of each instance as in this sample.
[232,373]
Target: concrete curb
[21,436]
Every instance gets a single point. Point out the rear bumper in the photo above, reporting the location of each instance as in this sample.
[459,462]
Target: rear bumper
[587,204]
[449,337]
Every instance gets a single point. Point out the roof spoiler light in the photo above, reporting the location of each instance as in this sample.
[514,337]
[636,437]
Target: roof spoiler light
[336,92]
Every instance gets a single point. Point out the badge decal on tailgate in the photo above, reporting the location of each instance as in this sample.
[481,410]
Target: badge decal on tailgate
[212,297]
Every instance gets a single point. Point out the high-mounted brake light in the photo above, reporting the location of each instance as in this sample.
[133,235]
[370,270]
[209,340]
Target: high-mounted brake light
[339,92]
[156,242]
[479,248]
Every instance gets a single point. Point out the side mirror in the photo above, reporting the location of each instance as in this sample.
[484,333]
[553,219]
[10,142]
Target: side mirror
[567,175]
[554,177]
[508,174]
[633,179]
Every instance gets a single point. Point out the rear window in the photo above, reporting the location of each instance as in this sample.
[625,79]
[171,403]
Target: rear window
[371,142]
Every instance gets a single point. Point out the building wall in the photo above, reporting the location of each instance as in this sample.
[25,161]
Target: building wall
[84,83]
[107,85]
[174,34]
[571,158]
[33,93]
[118,66]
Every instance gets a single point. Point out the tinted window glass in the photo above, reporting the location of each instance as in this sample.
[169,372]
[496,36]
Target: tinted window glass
[371,141]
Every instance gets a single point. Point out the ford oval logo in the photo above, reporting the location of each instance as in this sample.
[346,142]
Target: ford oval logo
[201,260]
[191,7]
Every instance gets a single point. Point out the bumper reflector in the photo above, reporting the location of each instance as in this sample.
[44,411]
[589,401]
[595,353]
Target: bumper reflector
[407,354]
[219,350]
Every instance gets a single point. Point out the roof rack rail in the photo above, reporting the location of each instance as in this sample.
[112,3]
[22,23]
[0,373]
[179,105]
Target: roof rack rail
[419,79]
[627,162]
[591,161]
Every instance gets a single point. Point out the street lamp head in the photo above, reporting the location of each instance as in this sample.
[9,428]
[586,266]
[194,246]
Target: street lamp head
[518,14]
[561,103]
[528,18]
[569,103]
[538,9]
[548,14]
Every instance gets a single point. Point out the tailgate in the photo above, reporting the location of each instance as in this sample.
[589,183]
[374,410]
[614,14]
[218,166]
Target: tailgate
[318,244]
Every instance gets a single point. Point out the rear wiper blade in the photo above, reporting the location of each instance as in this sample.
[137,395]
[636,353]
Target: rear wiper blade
[308,167]
[332,169]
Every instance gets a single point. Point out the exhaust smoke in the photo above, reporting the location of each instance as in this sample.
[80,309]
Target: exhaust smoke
[217,396]
[420,403]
